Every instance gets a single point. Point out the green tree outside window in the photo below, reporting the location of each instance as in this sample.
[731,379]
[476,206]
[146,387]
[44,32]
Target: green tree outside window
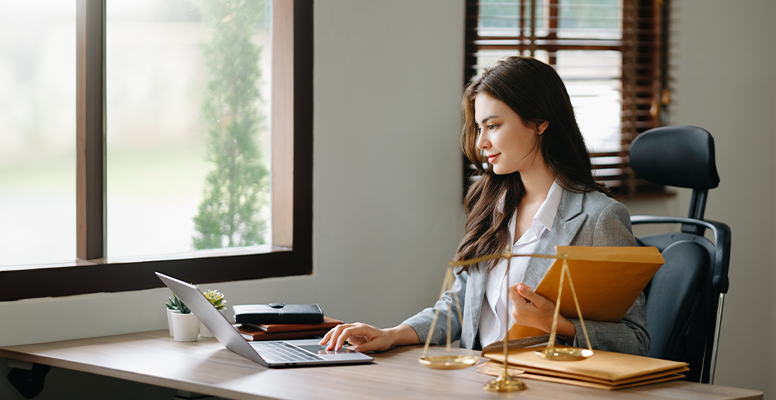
[236,188]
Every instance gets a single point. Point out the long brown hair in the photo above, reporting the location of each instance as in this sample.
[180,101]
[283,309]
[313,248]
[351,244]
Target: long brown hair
[536,93]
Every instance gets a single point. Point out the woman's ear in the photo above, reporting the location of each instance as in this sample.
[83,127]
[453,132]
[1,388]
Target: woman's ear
[540,128]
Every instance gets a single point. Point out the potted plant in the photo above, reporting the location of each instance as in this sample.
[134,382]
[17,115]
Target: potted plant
[217,300]
[173,304]
[185,325]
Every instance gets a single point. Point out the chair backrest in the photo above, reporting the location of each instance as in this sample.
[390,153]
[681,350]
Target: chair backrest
[671,295]
[688,290]
[681,156]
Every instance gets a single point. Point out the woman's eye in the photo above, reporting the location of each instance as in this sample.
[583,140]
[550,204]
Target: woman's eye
[492,127]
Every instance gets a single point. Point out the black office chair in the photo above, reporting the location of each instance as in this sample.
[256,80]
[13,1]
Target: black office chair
[685,297]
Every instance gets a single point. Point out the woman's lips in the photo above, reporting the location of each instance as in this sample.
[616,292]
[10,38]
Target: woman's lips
[493,158]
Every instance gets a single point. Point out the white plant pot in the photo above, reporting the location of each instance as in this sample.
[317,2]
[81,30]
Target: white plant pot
[204,331]
[169,321]
[185,327]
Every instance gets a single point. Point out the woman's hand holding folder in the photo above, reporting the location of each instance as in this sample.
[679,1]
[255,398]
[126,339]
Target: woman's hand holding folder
[532,309]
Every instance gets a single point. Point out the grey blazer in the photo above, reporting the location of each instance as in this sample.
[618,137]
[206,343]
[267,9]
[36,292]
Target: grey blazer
[583,219]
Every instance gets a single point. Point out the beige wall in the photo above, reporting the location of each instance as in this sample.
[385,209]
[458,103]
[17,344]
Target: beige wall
[387,209]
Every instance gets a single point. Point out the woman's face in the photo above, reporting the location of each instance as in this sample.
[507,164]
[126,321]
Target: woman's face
[509,143]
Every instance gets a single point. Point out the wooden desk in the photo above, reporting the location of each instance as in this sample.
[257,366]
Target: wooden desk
[207,367]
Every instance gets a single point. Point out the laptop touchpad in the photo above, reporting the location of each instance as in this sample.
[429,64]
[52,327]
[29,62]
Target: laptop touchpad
[321,350]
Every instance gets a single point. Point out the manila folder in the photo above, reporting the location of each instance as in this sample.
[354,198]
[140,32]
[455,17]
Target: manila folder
[603,366]
[607,281]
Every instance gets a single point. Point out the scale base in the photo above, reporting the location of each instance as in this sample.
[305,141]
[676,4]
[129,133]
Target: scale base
[505,384]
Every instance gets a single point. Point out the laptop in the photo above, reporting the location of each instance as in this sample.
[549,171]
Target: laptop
[271,353]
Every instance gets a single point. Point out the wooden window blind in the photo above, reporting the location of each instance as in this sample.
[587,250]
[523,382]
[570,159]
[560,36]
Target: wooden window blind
[612,56]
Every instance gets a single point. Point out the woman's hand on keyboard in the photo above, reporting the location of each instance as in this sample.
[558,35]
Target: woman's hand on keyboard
[364,337]
[368,338]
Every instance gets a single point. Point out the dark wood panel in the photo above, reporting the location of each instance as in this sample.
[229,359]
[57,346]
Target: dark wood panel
[122,277]
[303,133]
[90,130]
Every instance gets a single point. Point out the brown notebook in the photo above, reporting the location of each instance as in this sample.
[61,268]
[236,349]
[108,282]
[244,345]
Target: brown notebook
[252,333]
[327,324]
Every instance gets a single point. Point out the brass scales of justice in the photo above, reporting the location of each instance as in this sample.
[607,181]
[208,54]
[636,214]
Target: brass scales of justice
[505,383]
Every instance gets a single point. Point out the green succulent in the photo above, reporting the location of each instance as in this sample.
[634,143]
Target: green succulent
[174,303]
[216,298]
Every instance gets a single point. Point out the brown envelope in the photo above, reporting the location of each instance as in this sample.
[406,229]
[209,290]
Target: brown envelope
[607,281]
[491,365]
[603,366]
[601,386]
[496,369]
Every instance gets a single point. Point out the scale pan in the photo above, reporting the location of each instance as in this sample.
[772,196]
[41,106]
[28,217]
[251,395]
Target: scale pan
[563,353]
[448,362]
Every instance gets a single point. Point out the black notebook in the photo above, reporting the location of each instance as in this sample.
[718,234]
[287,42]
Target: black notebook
[278,313]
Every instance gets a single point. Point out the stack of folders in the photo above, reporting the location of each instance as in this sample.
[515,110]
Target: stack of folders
[603,370]
[254,332]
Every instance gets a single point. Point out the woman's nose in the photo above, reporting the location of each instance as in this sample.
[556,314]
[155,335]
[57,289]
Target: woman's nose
[482,142]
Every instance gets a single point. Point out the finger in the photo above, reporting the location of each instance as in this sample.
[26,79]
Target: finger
[360,332]
[326,337]
[526,291]
[346,333]
[335,333]
[515,296]
[331,334]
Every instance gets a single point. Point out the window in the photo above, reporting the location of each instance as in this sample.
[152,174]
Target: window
[37,131]
[612,55]
[138,72]
[187,142]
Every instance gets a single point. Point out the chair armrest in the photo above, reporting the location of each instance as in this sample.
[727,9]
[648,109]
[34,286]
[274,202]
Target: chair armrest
[722,244]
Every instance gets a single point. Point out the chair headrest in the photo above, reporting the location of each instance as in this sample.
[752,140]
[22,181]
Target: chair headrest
[680,156]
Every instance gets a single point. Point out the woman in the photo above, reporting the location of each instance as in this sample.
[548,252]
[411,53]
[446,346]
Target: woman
[536,193]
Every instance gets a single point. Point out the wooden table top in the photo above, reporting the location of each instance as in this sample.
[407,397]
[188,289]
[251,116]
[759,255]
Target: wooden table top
[207,367]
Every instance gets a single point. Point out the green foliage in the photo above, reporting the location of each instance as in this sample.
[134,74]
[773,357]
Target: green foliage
[235,190]
[174,303]
[216,298]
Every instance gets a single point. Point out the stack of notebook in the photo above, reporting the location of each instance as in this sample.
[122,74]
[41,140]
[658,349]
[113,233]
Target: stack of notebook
[254,332]
[604,370]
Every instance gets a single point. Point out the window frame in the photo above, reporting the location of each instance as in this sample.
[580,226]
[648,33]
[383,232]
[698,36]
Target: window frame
[292,180]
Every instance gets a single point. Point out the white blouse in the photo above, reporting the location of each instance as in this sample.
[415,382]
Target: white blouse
[493,306]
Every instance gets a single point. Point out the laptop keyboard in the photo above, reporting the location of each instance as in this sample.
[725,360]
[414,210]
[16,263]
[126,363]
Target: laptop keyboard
[284,352]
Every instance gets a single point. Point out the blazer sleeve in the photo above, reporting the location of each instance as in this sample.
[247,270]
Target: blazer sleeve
[613,228]
[447,304]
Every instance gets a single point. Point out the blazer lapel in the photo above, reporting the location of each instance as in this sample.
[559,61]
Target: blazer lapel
[567,222]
